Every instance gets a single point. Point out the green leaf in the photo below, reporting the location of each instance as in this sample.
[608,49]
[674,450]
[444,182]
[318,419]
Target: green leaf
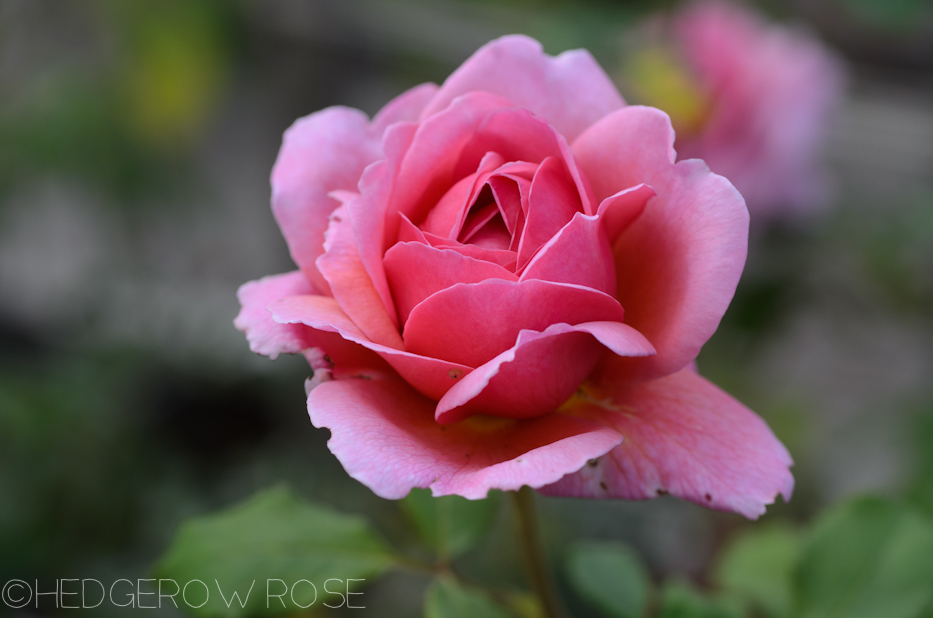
[445,598]
[271,542]
[610,576]
[450,525]
[679,600]
[920,493]
[898,14]
[758,566]
[868,558]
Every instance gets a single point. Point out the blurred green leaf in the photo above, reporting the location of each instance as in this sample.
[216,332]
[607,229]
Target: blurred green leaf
[889,13]
[920,493]
[450,525]
[758,565]
[867,558]
[679,600]
[272,536]
[445,598]
[610,576]
[524,605]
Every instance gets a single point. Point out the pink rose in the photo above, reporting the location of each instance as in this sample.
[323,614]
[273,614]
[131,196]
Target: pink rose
[763,101]
[504,282]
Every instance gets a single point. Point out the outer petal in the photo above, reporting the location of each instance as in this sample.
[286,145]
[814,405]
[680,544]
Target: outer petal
[430,376]
[406,107]
[686,437]
[323,152]
[678,263]
[266,336]
[352,286]
[473,323]
[571,90]
[540,372]
[384,434]
[367,211]
[270,338]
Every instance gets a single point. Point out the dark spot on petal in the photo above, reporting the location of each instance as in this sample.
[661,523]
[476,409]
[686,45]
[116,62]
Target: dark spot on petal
[328,360]
[593,463]
[661,492]
[709,498]
[443,428]
[455,374]
[604,486]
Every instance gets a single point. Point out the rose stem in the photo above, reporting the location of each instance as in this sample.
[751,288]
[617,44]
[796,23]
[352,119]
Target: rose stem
[532,549]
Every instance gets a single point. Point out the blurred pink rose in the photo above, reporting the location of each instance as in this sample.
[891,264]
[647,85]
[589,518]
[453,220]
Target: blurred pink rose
[764,97]
[465,258]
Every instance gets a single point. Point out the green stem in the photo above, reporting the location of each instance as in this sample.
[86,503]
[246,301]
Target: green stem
[532,549]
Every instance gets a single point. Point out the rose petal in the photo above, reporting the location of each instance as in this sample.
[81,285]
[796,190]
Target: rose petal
[518,135]
[426,170]
[508,195]
[270,338]
[571,90]
[540,372]
[351,285]
[505,259]
[448,216]
[431,376]
[367,212]
[581,252]
[477,219]
[416,271]
[472,323]
[756,73]
[492,235]
[552,204]
[323,152]
[264,335]
[686,437]
[384,434]
[409,232]
[678,263]
[618,211]
[406,107]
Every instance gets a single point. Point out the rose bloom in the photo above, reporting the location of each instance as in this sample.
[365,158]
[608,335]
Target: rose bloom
[504,281]
[750,98]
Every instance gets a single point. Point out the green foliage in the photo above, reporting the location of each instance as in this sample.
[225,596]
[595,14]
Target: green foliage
[450,525]
[866,558]
[611,577]
[920,493]
[69,474]
[274,535]
[445,598]
[678,600]
[894,14]
[758,566]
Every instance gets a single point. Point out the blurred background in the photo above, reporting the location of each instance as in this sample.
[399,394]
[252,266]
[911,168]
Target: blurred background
[136,141]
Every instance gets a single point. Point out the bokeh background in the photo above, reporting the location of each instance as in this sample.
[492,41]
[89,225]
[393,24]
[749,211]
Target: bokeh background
[136,141]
